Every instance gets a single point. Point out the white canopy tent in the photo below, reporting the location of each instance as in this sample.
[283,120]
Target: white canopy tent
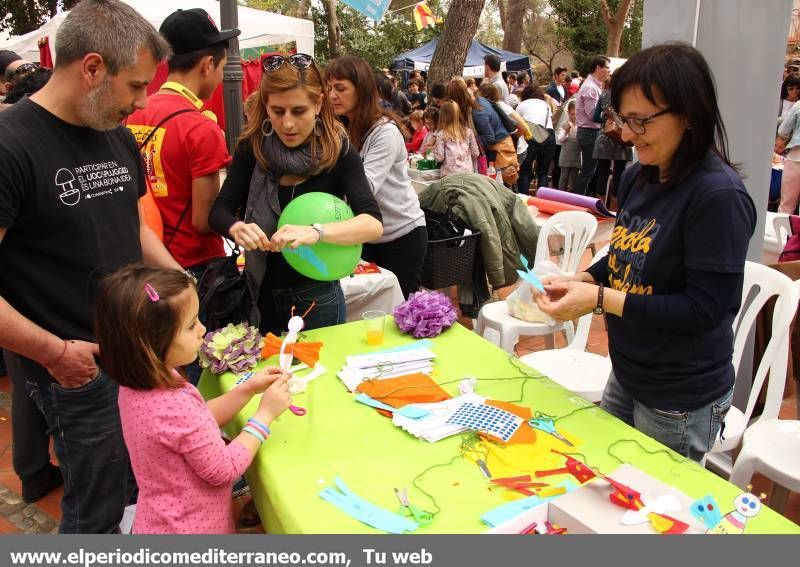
[259,28]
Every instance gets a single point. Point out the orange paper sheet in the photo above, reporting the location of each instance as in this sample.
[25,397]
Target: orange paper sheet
[404,390]
[552,207]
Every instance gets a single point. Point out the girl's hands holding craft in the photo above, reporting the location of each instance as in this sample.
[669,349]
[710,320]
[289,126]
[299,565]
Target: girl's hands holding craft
[264,378]
[275,400]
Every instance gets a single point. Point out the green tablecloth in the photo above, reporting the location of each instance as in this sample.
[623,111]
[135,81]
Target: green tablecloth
[341,437]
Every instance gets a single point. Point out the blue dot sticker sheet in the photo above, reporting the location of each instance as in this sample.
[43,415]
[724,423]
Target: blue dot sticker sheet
[486,419]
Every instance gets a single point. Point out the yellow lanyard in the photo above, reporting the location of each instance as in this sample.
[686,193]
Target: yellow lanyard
[186,93]
[190,96]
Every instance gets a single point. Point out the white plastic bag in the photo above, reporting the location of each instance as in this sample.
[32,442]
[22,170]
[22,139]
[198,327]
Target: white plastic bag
[522,304]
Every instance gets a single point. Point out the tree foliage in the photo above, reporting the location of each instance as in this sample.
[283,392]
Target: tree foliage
[377,42]
[580,25]
[23,16]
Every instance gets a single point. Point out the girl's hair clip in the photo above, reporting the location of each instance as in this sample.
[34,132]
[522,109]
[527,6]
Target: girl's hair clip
[151,292]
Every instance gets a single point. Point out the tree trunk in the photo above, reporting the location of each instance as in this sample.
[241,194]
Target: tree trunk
[512,27]
[460,26]
[334,33]
[615,24]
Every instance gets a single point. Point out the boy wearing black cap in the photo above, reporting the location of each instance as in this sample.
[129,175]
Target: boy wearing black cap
[187,148]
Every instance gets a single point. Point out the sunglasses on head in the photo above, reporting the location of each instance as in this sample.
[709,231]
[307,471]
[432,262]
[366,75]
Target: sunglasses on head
[22,70]
[298,61]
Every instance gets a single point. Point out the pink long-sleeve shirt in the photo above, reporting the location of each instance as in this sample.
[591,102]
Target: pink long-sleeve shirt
[184,470]
[586,101]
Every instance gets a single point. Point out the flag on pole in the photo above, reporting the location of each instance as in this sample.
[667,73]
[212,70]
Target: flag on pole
[423,16]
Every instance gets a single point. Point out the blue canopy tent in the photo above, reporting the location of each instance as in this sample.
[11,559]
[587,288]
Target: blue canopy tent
[420,58]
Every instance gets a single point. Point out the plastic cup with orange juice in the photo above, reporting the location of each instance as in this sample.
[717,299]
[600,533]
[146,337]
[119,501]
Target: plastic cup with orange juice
[374,323]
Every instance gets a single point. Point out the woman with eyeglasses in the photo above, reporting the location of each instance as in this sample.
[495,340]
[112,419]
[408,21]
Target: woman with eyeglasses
[671,283]
[378,136]
[292,145]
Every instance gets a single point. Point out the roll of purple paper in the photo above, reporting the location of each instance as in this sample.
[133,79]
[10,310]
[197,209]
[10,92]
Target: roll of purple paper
[592,203]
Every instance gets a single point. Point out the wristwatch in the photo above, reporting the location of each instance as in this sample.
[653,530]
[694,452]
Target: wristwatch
[598,310]
[320,231]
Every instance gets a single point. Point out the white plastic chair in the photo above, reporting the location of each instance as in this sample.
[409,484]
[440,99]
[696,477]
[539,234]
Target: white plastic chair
[582,372]
[577,228]
[772,448]
[764,283]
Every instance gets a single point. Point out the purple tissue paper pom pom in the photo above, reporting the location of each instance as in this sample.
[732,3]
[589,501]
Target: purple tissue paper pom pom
[425,314]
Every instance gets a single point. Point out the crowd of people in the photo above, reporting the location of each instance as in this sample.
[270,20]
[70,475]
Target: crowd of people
[104,361]
[509,113]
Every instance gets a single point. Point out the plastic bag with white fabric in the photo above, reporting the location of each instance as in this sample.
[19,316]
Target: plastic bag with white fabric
[522,301]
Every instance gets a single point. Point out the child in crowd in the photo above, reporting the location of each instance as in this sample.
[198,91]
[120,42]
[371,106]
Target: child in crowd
[420,131]
[569,160]
[147,327]
[431,120]
[455,146]
[472,86]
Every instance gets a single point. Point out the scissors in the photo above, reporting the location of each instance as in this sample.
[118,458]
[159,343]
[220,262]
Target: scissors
[422,517]
[546,424]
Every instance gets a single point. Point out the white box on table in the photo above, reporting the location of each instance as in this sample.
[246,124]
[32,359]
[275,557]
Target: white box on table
[588,509]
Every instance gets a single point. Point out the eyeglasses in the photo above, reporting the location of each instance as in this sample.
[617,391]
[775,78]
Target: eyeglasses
[23,69]
[637,125]
[298,61]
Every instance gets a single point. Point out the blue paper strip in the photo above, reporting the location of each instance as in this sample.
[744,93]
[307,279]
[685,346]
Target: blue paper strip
[497,516]
[410,412]
[364,511]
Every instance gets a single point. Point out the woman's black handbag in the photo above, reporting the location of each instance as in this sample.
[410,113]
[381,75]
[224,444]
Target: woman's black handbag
[224,295]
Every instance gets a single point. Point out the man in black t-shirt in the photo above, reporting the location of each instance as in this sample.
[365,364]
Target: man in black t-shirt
[70,179]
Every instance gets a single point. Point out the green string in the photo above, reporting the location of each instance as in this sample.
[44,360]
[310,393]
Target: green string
[673,458]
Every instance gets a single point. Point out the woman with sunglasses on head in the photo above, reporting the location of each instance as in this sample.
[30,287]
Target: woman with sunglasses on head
[292,145]
[671,283]
[377,135]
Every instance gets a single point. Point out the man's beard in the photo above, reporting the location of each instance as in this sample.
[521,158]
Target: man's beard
[96,111]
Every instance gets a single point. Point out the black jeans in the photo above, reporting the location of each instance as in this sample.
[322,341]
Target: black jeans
[586,139]
[88,440]
[543,154]
[603,171]
[30,439]
[555,178]
[403,256]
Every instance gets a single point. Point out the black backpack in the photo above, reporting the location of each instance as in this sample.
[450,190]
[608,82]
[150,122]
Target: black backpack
[224,294]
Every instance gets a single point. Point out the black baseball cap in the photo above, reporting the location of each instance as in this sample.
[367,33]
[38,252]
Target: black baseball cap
[6,58]
[190,30]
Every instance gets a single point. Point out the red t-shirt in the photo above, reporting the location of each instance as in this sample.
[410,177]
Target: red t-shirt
[188,146]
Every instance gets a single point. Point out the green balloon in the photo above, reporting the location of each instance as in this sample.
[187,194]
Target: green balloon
[323,261]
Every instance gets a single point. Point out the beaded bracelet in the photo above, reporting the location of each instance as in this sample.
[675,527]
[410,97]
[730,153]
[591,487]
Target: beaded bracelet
[253,421]
[254,432]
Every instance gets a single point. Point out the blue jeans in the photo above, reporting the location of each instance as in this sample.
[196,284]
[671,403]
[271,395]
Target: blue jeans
[88,440]
[690,433]
[276,306]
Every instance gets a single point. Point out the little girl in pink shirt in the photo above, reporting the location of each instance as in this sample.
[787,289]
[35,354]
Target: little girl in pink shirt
[147,326]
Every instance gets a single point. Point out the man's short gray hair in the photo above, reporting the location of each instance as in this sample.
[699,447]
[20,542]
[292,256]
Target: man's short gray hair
[111,28]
